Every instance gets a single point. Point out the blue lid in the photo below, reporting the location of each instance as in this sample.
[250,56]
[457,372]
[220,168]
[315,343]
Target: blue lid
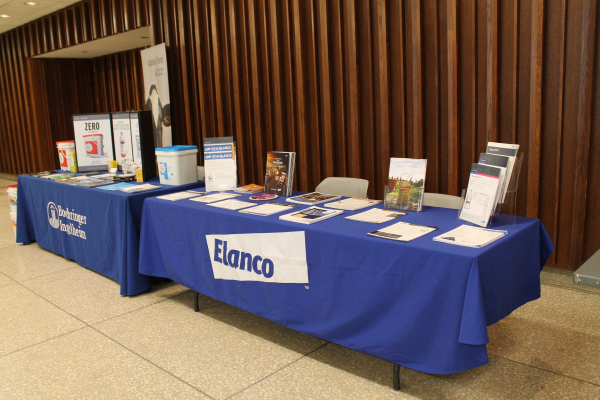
[176,148]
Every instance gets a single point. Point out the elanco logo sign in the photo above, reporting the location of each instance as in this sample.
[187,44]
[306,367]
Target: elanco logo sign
[264,257]
[55,213]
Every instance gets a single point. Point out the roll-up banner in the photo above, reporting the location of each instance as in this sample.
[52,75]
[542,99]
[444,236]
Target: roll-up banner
[156,83]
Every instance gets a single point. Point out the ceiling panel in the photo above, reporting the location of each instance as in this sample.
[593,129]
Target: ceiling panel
[21,14]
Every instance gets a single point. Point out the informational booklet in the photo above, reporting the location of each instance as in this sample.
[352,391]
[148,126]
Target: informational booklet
[470,236]
[484,182]
[220,169]
[376,216]
[403,231]
[117,186]
[502,163]
[139,188]
[279,177]
[352,204]
[310,215]
[211,198]
[250,189]
[93,182]
[508,150]
[269,208]
[313,198]
[232,204]
[406,183]
[179,196]
[56,176]
[263,197]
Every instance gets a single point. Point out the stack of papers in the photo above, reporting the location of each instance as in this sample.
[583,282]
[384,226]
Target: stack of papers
[269,208]
[403,232]
[57,176]
[470,236]
[93,182]
[211,198]
[310,215]
[138,188]
[313,198]
[352,204]
[179,196]
[376,216]
[116,186]
[232,204]
[250,189]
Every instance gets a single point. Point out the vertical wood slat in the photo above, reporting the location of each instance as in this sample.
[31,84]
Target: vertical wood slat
[453,141]
[417,79]
[275,75]
[326,103]
[382,101]
[492,70]
[535,105]
[584,97]
[352,89]
[301,156]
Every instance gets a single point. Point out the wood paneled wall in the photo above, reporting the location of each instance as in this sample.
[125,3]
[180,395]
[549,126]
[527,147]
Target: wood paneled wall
[347,84]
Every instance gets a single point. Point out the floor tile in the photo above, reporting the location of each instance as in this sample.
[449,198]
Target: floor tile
[92,297]
[7,235]
[26,319]
[220,350]
[5,280]
[559,333]
[86,365]
[26,262]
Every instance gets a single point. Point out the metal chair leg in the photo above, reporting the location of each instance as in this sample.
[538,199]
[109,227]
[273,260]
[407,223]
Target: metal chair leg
[396,376]
[196,305]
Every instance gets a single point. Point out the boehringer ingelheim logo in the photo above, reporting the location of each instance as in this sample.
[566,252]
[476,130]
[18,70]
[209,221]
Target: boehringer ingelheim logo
[53,215]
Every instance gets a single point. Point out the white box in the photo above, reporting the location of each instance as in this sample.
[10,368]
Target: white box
[177,165]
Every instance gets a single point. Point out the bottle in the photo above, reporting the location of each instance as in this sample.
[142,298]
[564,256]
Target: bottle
[123,151]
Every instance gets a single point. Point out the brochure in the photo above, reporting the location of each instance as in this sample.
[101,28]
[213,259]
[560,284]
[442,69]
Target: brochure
[57,176]
[263,197]
[470,236]
[269,208]
[220,169]
[179,196]
[484,183]
[403,232]
[310,215]
[138,188]
[279,177]
[116,186]
[502,163]
[352,204]
[250,189]
[508,150]
[313,198]
[232,204]
[93,182]
[406,183]
[376,216]
[211,198]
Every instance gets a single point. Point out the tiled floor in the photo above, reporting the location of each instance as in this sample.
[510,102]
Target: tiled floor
[66,333]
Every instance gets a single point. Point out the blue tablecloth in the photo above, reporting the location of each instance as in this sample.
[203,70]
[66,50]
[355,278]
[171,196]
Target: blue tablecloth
[423,304]
[99,229]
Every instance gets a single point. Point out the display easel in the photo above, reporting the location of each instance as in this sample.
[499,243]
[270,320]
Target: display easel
[506,211]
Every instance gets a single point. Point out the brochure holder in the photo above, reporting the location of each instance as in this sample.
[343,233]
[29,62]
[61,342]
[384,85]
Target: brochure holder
[395,202]
[506,211]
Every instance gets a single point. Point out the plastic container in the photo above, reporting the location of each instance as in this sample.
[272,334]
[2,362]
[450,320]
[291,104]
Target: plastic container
[64,148]
[94,145]
[177,165]
[13,217]
[12,198]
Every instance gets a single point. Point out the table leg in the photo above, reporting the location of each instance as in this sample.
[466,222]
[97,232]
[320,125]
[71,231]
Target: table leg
[196,305]
[396,376]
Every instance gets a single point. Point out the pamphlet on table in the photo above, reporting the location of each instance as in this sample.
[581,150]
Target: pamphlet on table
[313,198]
[232,204]
[220,169]
[403,231]
[139,188]
[470,236]
[310,215]
[352,204]
[279,177]
[376,216]
[502,163]
[116,186]
[179,196]
[406,183]
[211,198]
[508,150]
[269,208]
[479,201]
[250,189]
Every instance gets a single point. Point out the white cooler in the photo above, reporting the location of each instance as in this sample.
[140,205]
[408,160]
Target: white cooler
[177,165]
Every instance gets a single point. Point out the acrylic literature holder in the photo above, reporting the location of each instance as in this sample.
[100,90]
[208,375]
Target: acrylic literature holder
[399,199]
[506,210]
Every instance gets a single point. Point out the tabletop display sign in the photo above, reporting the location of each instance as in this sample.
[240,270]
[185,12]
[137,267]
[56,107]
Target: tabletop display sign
[121,127]
[279,178]
[478,205]
[406,184]
[220,170]
[142,139]
[93,141]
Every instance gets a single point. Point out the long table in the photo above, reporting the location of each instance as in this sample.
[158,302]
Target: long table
[423,304]
[99,229]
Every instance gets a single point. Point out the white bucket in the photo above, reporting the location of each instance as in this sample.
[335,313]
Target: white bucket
[13,217]
[177,165]
[12,198]
[64,148]
[94,145]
